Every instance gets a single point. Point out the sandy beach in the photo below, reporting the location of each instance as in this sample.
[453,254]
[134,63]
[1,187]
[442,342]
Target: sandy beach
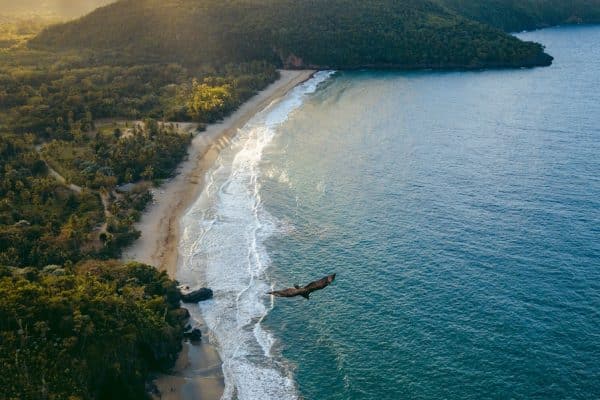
[159,224]
[197,374]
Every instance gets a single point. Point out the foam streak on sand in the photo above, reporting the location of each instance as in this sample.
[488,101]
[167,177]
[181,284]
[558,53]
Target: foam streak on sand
[222,247]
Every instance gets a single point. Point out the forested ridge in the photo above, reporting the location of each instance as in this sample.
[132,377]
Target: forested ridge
[518,15]
[324,33]
[296,34]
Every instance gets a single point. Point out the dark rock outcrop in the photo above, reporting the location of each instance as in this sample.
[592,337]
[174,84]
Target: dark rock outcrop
[195,335]
[197,295]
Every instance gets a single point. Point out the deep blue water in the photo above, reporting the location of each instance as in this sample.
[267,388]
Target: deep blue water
[461,211]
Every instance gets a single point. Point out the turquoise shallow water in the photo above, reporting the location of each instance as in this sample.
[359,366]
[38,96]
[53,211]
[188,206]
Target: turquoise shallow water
[461,211]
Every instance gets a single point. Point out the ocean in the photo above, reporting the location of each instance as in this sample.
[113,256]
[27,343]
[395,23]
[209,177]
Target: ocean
[460,211]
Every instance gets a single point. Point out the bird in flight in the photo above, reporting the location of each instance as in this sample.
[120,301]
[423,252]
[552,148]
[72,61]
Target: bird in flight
[306,290]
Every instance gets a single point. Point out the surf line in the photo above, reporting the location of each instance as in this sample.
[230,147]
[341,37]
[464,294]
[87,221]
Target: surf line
[223,246]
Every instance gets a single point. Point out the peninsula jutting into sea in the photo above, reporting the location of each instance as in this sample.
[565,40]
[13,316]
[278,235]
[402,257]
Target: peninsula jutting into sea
[181,178]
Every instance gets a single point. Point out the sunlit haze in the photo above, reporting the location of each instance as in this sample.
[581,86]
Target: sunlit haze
[66,8]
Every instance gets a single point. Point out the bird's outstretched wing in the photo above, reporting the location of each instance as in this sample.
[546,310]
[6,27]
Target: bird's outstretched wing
[306,290]
[320,284]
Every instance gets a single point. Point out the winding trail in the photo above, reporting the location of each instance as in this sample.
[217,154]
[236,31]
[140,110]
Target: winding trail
[78,189]
[54,173]
[61,179]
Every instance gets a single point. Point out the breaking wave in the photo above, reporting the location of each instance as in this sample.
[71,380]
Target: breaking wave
[222,247]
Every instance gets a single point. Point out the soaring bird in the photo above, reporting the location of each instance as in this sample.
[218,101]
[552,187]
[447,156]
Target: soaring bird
[306,290]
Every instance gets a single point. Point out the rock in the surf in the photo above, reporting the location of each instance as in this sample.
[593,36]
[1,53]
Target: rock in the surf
[197,295]
[195,335]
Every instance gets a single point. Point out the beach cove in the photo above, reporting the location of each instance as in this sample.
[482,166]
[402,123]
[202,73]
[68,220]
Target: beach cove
[177,176]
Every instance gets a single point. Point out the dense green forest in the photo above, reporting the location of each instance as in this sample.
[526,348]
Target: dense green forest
[295,34]
[90,332]
[324,33]
[518,15]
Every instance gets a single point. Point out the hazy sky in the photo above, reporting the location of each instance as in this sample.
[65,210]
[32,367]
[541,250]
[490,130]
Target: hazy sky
[68,8]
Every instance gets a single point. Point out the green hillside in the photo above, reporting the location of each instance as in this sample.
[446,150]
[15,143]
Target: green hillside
[295,34]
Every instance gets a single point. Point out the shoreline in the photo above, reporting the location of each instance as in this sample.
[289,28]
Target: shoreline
[159,242]
[197,373]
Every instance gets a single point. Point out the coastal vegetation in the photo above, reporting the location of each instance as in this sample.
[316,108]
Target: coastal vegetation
[88,332]
[83,139]
[94,113]
[41,221]
[98,126]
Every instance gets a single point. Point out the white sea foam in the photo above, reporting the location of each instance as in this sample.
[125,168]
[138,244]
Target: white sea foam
[223,248]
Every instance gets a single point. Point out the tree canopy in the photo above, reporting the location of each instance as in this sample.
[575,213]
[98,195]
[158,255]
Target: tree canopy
[91,332]
[518,15]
